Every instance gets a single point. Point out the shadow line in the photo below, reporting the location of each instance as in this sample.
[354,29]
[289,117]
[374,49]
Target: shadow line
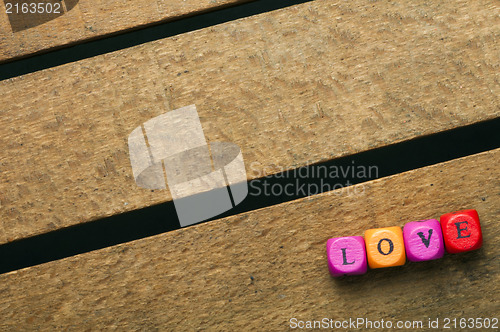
[126,39]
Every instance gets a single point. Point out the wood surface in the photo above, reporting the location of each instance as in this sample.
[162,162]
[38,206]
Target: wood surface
[257,270]
[90,19]
[291,87]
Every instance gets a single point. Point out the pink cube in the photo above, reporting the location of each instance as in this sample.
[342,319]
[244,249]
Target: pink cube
[423,240]
[346,255]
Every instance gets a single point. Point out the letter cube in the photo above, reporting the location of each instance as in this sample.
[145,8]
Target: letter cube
[346,255]
[423,240]
[385,247]
[461,231]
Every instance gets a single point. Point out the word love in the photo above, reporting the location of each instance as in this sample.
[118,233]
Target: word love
[418,241]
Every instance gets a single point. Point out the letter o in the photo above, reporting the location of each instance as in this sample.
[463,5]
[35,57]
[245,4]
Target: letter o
[391,246]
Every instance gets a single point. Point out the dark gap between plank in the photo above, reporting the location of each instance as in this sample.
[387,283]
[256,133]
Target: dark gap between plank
[138,224]
[144,35]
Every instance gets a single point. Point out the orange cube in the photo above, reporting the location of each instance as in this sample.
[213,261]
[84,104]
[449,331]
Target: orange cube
[385,247]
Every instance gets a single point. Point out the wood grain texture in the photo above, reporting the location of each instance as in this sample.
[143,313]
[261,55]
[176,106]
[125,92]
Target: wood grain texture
[257,270]
[367,75]
[90,19]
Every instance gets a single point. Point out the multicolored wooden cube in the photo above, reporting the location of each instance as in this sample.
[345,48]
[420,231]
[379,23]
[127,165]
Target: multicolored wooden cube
[346,256]
[419,241]
[423,240]
[461,231]
[385,247]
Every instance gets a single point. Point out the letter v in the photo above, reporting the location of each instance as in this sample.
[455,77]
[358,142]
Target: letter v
[424,240]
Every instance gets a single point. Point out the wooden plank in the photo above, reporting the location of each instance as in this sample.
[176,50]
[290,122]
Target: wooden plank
[368,75]
[260,269]
[24,34]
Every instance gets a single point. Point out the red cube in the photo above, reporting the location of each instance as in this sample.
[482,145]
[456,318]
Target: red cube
[461,231]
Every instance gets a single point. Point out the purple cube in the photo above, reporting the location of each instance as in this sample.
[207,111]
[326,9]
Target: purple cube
[423,240]
[346,255]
